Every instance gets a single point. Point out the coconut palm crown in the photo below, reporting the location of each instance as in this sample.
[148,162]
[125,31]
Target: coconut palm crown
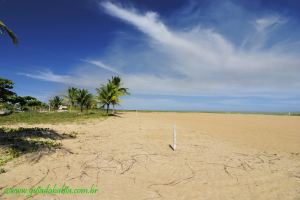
[84,98]
[72,94]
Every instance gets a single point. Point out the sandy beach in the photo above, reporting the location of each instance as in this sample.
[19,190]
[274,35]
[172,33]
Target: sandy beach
[218,156]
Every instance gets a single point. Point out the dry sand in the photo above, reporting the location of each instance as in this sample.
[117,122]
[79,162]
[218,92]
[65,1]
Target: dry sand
[218,156]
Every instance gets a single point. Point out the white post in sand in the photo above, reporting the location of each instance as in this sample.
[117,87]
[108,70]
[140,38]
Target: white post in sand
[289,113]
[174,137]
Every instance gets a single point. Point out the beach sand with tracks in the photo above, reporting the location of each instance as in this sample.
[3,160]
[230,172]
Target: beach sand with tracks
[218,156]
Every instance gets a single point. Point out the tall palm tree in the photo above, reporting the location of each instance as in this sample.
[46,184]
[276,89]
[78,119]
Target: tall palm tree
[5,29]
[119,90]
[106,95]
[84,99]
[55,102]
[71,96]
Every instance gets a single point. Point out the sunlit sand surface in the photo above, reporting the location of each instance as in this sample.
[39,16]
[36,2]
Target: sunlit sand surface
[218,156]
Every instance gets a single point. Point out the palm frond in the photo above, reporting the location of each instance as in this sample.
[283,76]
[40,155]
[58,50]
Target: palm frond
[4,28]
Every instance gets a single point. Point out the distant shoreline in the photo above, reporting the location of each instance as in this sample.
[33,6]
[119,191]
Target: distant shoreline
[297,113]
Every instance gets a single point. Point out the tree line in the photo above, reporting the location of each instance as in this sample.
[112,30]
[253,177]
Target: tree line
[75,98]
[106,95]
[10,101]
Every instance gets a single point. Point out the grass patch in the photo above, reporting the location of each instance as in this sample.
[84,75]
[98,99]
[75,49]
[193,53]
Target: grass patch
[49,117]
[16,142]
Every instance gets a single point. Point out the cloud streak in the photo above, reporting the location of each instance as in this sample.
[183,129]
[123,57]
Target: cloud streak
[48,75]
[196,60]
[210,63]
[100,64]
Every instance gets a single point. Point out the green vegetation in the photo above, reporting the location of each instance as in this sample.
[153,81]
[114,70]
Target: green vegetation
[55,102]
[111,92]
[84,99]
[79,98]
[74,101]
[71,97]
[108,94]
[4,29]
[119,90]
[49,117]
[6,94]
[27,103]
[105,96]
[16,142]
[10,101]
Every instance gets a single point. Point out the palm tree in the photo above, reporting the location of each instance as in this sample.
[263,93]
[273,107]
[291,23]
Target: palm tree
[71,96]
[106,95]
[84,99]
[5,29]
[92,103]
[55,102]
[119,91]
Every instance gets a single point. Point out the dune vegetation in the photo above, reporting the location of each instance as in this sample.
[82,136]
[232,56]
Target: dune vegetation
[75,105]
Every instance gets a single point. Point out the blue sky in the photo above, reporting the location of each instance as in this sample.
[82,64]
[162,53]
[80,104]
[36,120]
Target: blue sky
[222,55]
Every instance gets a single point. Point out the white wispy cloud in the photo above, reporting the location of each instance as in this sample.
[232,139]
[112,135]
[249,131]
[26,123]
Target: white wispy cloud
[100,64]
[263,23]
[150,24]
[264,27]
[48,75]
[89,79]
[194,60]
[207,61]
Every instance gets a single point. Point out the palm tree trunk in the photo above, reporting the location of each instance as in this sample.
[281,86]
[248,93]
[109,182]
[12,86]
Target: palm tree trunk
[107,108]
[81,108]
